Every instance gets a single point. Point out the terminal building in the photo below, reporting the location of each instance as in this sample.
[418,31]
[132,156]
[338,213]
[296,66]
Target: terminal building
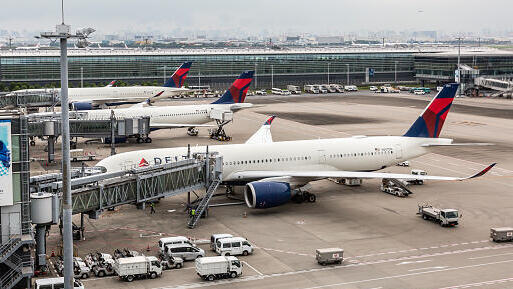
[274,67]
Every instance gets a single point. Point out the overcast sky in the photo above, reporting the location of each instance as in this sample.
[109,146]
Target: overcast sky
[251,17]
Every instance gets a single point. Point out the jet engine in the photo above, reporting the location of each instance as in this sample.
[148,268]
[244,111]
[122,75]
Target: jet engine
[263,195]
[83,106]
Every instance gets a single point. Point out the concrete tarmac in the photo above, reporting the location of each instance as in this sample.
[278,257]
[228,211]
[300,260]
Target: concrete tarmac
[386,244]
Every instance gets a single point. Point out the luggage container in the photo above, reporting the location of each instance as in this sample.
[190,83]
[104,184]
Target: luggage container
[503,234]
[329,256]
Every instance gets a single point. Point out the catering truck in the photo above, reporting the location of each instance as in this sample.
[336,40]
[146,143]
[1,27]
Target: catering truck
[445,217]
[211,268]
[138,267]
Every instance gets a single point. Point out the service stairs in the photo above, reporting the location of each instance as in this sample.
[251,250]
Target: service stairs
[400,184]
[16,267]
[203,203]
[9,248]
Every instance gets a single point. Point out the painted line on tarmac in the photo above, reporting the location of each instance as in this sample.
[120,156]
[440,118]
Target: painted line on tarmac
[475,163]
[489,256]
[285,252]
[479,284]
[417,249]
[428,268]
[253,268]
[412,262]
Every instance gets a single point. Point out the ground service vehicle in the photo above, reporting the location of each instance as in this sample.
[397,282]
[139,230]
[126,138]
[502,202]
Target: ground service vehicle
[321,88]
[419,92]
[503,234]
[329,88]
[233,246]
[211,268]
[185,251]
[79,155]
[351,88]
[215,237]
[339,88]
[294,89]
[311,89]
[373,88]
[131,268]
[261,92]
[404,164]
[173,240]
[329,256]
[445,217]
[105,268]
[80,269]
[417,181]
[55,283]
[393,188]
[168,262]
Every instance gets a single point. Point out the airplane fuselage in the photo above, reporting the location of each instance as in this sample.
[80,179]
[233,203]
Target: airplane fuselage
[344,154]
[130,94]
[184,114]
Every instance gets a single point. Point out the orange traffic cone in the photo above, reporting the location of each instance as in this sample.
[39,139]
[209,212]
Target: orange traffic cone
[148,248]
[53,253]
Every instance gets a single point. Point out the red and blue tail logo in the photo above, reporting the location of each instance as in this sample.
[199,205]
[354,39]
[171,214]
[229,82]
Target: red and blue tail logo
[430,122]
[178,78]
[237,92]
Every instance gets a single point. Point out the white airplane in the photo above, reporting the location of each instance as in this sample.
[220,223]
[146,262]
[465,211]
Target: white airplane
[93,97]
[191,116]
[274,172]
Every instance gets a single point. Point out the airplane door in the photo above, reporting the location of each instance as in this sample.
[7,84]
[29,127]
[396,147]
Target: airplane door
[398,151]
[321,156]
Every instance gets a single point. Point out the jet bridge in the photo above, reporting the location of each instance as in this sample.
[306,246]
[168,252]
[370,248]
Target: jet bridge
[49,128]
[30,99]
[94,193]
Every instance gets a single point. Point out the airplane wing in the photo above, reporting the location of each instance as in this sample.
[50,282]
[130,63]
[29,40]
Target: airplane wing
[270,175]
[148,100]
[262,135]
[177,125]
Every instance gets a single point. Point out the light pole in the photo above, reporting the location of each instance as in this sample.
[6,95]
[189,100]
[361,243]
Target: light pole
[395,73]
[256,75]
[328,73]
[164,74]
[272,76]
[81,77]
[347,74]
[458,69]
[63,33]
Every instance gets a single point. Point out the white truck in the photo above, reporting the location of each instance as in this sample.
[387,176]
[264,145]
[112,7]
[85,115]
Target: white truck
[311,89]
[417,173]
[351,88]
[445,217]
[138,267]
[294,89]
[211,268]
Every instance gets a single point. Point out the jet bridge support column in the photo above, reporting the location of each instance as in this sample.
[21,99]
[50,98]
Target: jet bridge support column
[51,149]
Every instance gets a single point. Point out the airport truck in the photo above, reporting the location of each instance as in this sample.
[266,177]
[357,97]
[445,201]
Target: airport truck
[294,89]
[503,234]
[211,268]
[311,89]
[132,268]
[329,256]
[445,217]
[417,173]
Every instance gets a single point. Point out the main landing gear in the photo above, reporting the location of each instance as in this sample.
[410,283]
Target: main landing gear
[219,133]
[192,131]
[304,196]
[144,139]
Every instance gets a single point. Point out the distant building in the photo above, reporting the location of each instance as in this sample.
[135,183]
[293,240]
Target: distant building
[293,38]
[424,35]
[330,39]
[111,37]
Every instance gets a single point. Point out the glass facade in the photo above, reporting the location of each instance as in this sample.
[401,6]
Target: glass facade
[442,67]
[103,67]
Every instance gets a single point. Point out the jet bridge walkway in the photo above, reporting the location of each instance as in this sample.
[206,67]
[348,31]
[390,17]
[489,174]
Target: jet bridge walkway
[28,99]
[49,128]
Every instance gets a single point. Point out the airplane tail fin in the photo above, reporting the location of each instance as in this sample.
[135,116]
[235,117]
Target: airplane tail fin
[237,92]
[179,76]
[430,122]
[111,84]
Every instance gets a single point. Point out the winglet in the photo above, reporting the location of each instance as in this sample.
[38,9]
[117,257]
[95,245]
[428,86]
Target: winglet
[481,173]
[269,121]
[263,134]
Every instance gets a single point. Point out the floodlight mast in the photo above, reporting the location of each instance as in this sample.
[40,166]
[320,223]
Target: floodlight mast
[63,32]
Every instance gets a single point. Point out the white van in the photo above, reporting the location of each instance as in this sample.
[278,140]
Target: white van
[173,240]
[185,251]
[233,246]
[55,283]
[215,237]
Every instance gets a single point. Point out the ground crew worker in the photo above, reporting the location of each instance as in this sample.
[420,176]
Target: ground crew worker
[193,212]
[152,207]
